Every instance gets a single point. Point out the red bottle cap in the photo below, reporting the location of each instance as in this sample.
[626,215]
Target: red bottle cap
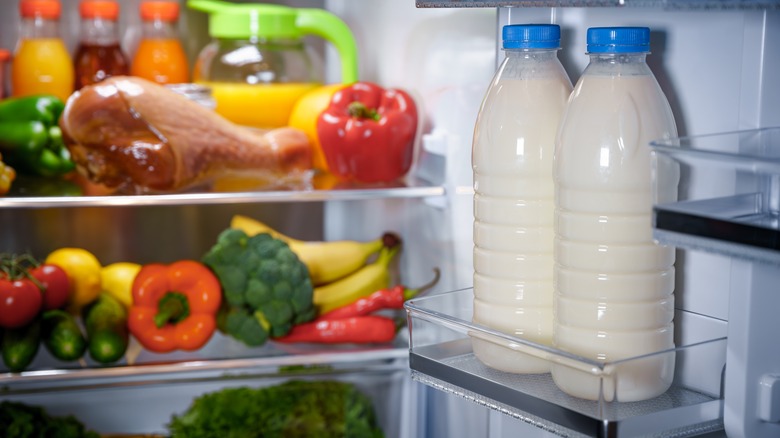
[159,10]
[49,9]
[106,9]
[4,55]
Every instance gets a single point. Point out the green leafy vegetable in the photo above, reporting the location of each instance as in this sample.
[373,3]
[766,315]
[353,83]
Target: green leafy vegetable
[18,420]
[267,288]
[293,409]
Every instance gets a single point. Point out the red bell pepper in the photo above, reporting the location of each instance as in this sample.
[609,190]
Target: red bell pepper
[367,133]
[174,306]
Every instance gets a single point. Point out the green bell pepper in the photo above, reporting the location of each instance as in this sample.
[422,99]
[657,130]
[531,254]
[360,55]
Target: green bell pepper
[30,137]
[43,108]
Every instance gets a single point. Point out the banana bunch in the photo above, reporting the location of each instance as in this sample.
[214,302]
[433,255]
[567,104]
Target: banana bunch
[339,269]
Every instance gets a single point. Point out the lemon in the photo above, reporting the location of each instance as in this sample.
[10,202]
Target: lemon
[117,279]
[83,270]
[304,117]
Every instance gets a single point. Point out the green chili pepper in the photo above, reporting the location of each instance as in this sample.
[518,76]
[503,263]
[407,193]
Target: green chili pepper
[30,136]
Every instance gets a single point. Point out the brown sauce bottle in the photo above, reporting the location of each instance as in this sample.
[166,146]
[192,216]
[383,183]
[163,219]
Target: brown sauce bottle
[99,55]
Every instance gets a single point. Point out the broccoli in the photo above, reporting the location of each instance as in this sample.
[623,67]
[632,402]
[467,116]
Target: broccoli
[18,420]
[296,408]
[267,288]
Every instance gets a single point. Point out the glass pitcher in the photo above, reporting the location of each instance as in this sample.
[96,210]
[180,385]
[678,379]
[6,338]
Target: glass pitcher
[258,64]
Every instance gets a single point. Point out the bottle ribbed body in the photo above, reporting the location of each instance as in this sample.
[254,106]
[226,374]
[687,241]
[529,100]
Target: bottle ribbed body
[613,285]
[512,161]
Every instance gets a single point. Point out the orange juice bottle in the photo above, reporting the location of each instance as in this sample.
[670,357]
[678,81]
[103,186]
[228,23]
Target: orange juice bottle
[42,64]
[160,56]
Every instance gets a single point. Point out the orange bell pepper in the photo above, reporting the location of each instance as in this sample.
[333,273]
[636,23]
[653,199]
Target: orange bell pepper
[174,306]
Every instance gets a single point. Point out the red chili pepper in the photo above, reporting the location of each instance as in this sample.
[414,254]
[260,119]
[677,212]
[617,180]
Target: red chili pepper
[367,133]
[392,298]
[357,329]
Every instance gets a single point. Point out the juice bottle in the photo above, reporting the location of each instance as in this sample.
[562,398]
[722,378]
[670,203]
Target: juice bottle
[614,285]
[98,55]
[160,57]
[513,145]
[41,62]
[5,55]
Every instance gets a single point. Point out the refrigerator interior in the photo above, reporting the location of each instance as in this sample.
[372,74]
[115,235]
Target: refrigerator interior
[718,67]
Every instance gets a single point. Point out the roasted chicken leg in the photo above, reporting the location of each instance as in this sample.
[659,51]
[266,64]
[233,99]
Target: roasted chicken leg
[139,137]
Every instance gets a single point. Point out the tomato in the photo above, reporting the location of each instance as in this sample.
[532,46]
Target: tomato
[54,285]
[304,117]
[20,301]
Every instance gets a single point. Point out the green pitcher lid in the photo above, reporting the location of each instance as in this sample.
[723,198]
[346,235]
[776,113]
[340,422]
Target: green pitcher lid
[253,20]
[245,20]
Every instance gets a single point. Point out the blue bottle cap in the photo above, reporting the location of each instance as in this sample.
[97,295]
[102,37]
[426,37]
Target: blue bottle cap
[531,36]
[618,39]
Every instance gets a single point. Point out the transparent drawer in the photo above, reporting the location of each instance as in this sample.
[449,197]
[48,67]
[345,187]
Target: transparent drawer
[442,355]
[130,409]
[729,197]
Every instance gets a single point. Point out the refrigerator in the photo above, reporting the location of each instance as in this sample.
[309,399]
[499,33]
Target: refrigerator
[718,63]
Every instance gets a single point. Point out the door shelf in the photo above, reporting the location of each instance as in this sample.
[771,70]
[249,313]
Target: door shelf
[441,355]
[738,217]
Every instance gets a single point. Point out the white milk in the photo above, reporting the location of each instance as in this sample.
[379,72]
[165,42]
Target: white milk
[613,284]
[512,158]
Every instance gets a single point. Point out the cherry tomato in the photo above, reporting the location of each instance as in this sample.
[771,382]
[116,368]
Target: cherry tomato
[20,301]
[54,285]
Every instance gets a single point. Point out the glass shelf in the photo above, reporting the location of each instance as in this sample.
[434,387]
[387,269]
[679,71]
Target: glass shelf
[24,198]
[663,4]
[441,355]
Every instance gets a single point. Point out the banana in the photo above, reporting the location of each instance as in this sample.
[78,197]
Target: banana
[362,283]
[327,261]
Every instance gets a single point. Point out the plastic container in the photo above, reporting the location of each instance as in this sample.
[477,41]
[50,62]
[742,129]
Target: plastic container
[441,355]
[258,64]
[42,64]
[160,56]
[614,285]
[98,55]
[512,160]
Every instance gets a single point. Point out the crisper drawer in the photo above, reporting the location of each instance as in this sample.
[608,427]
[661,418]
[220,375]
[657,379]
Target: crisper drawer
[442,355]
[142,400]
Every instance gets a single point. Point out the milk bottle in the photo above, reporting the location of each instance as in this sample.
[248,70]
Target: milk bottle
[513,146]
[613,285]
